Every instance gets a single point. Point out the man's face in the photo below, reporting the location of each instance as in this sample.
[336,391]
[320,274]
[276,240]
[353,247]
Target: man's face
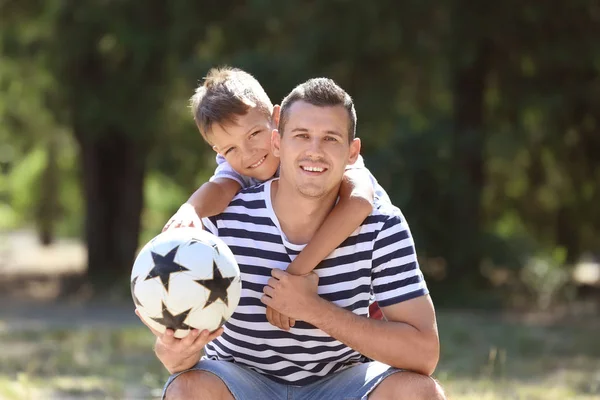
[246,145]
[314,149]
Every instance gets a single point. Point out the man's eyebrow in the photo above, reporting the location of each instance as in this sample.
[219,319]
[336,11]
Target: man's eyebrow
[329,132]
[334,133]
[299,130]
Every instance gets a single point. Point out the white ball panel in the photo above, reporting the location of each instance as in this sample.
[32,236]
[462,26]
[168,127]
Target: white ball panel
[143,263]
[207,318]
[197,257]
[151,294]
[184,293]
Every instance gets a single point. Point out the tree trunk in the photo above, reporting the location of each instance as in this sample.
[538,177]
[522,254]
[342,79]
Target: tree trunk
[48,209]
[113,178]
[468,173]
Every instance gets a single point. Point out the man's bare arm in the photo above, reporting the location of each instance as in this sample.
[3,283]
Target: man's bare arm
[408,339]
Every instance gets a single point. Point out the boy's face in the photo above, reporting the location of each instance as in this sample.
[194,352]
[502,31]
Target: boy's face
[246,145]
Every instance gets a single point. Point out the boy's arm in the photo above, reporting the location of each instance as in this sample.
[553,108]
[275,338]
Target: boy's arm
[354,205]
[213,197]
[210,199]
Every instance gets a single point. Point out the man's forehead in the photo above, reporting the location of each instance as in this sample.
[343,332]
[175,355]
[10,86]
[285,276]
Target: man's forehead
[302,115]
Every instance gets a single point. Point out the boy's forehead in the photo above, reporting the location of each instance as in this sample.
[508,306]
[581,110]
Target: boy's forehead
[239,125]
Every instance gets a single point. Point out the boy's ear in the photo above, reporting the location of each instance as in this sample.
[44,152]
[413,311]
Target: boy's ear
[275,116]
[354,151]
[275,142]
[215,149]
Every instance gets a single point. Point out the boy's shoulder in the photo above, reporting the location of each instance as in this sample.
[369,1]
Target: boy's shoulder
[252,197]
[248,205]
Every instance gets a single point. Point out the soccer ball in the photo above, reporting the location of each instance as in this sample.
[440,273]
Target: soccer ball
[185,278]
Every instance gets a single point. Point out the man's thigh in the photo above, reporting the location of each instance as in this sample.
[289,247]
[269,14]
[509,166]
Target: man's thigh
[243,383]
[353,383]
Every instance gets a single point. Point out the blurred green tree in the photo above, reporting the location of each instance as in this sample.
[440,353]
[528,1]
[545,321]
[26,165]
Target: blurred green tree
[480,119]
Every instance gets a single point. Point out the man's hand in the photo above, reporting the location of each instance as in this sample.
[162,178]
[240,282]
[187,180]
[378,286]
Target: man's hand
[291,295]
[185,217]
[279,320]
[180,354]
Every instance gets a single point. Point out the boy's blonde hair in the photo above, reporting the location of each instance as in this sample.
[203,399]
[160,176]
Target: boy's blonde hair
[225,94]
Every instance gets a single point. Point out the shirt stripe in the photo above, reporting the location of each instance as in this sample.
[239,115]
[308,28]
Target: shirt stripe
[378,259]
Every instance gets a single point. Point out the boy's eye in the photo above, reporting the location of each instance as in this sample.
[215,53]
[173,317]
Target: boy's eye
[254,134]
[228,151]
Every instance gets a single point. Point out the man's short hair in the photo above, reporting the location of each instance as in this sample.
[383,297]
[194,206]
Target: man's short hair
[225,94]
[320,92]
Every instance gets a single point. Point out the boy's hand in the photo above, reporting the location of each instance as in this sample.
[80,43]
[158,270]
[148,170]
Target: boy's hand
[296,296]
[279,320]
[185,217]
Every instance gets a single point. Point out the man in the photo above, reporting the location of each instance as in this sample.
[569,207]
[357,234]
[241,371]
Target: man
[324,355]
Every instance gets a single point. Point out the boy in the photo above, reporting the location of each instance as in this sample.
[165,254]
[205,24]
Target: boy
[234,115]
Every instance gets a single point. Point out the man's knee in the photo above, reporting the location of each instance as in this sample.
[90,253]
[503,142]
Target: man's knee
[198,385]
[408,385]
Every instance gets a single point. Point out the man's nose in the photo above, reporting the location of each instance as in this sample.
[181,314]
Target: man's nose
[315,147]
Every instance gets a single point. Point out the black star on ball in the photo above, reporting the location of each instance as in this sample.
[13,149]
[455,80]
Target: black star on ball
[217,286]
[171,321]
[135,299]
[164,266]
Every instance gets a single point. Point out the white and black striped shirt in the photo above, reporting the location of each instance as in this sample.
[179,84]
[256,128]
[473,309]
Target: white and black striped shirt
[378,258]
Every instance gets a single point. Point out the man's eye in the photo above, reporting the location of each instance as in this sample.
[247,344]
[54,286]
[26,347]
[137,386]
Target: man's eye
[331,139]
[302,136]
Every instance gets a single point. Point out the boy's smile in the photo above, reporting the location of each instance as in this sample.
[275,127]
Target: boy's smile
[246,145]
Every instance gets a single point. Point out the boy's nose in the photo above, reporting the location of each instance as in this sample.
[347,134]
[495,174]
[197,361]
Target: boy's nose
[249,152]
[248,149]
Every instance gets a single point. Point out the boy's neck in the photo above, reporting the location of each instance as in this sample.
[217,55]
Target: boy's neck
[299,217]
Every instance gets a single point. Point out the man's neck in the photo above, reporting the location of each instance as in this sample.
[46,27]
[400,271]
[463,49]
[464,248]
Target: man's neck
[299,217]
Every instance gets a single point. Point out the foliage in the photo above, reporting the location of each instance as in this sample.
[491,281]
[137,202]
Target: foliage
[481,120]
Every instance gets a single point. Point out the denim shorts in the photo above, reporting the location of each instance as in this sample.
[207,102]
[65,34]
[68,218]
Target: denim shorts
[352,383]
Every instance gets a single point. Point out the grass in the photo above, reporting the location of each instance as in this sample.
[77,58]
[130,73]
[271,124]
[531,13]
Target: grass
[484,357]
[489,357]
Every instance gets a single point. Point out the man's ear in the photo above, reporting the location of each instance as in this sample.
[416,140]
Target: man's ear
[275,116]
[354,151]
[275,142]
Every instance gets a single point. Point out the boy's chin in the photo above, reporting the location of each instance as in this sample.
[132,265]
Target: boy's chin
[263,175]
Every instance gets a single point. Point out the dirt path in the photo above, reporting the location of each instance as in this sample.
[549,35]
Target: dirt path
[30,280]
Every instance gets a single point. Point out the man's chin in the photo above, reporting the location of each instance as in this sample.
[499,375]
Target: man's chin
[311,191]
